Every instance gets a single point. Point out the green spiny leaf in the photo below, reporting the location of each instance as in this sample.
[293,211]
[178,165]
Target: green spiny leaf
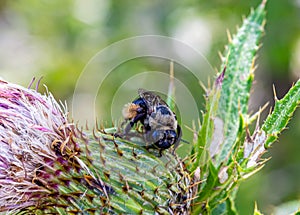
[238,78]
[201,149]
[282,113]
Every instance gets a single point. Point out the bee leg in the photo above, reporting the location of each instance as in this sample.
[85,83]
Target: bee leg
[117,135]
[177,141]
[133,121]
[128,127]
[175,146]
[160,152]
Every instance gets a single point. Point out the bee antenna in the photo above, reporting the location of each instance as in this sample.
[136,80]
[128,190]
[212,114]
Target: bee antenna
[185,141]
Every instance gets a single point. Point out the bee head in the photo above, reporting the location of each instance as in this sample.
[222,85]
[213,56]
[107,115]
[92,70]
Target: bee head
[130,110]
[164,139]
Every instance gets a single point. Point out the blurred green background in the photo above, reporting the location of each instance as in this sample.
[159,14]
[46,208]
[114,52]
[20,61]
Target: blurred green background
[55,40]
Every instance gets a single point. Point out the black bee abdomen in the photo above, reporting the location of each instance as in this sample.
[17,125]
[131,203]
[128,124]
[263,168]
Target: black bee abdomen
[164,139]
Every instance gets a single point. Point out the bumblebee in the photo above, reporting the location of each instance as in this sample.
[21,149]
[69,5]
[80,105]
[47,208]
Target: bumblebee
[160,124]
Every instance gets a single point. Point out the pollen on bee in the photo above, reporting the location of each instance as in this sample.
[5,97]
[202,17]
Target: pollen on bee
[130,110]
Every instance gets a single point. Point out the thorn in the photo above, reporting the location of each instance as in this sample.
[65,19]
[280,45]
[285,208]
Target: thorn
[254,67]
[171,89]
[253,62]
[262,26]
[293,84]
[156,190]
[255,206]
[203,86]
[119,151]
[261,109]
[185,159]
[239,107]
[264,107]
[95,136]
[202,113]
[77,130]
[121,177]
[126,187]
[274,92]
[97,125]
[102,147]
[134,153]
[86,125]
[227,56]
[216,70]
[82,135]
[220,55]
[142,193]
[270,110]
[193,129]
[226,48]
[257,121]
[248,135]
[154,169]
[101,128]
[198,203]
[199,123]
[190,199]
[103,161]
[229,36]
[220,78]
[208,83]
[190,159]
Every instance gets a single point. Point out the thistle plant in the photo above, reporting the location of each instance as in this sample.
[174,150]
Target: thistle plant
[50,165]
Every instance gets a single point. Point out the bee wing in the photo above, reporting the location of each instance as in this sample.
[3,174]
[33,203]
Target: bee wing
[151,98]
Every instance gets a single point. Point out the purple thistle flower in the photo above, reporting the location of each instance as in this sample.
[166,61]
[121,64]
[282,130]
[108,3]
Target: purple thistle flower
[29,123]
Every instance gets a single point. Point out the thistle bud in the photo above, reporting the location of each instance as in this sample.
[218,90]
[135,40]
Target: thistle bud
[48,165]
